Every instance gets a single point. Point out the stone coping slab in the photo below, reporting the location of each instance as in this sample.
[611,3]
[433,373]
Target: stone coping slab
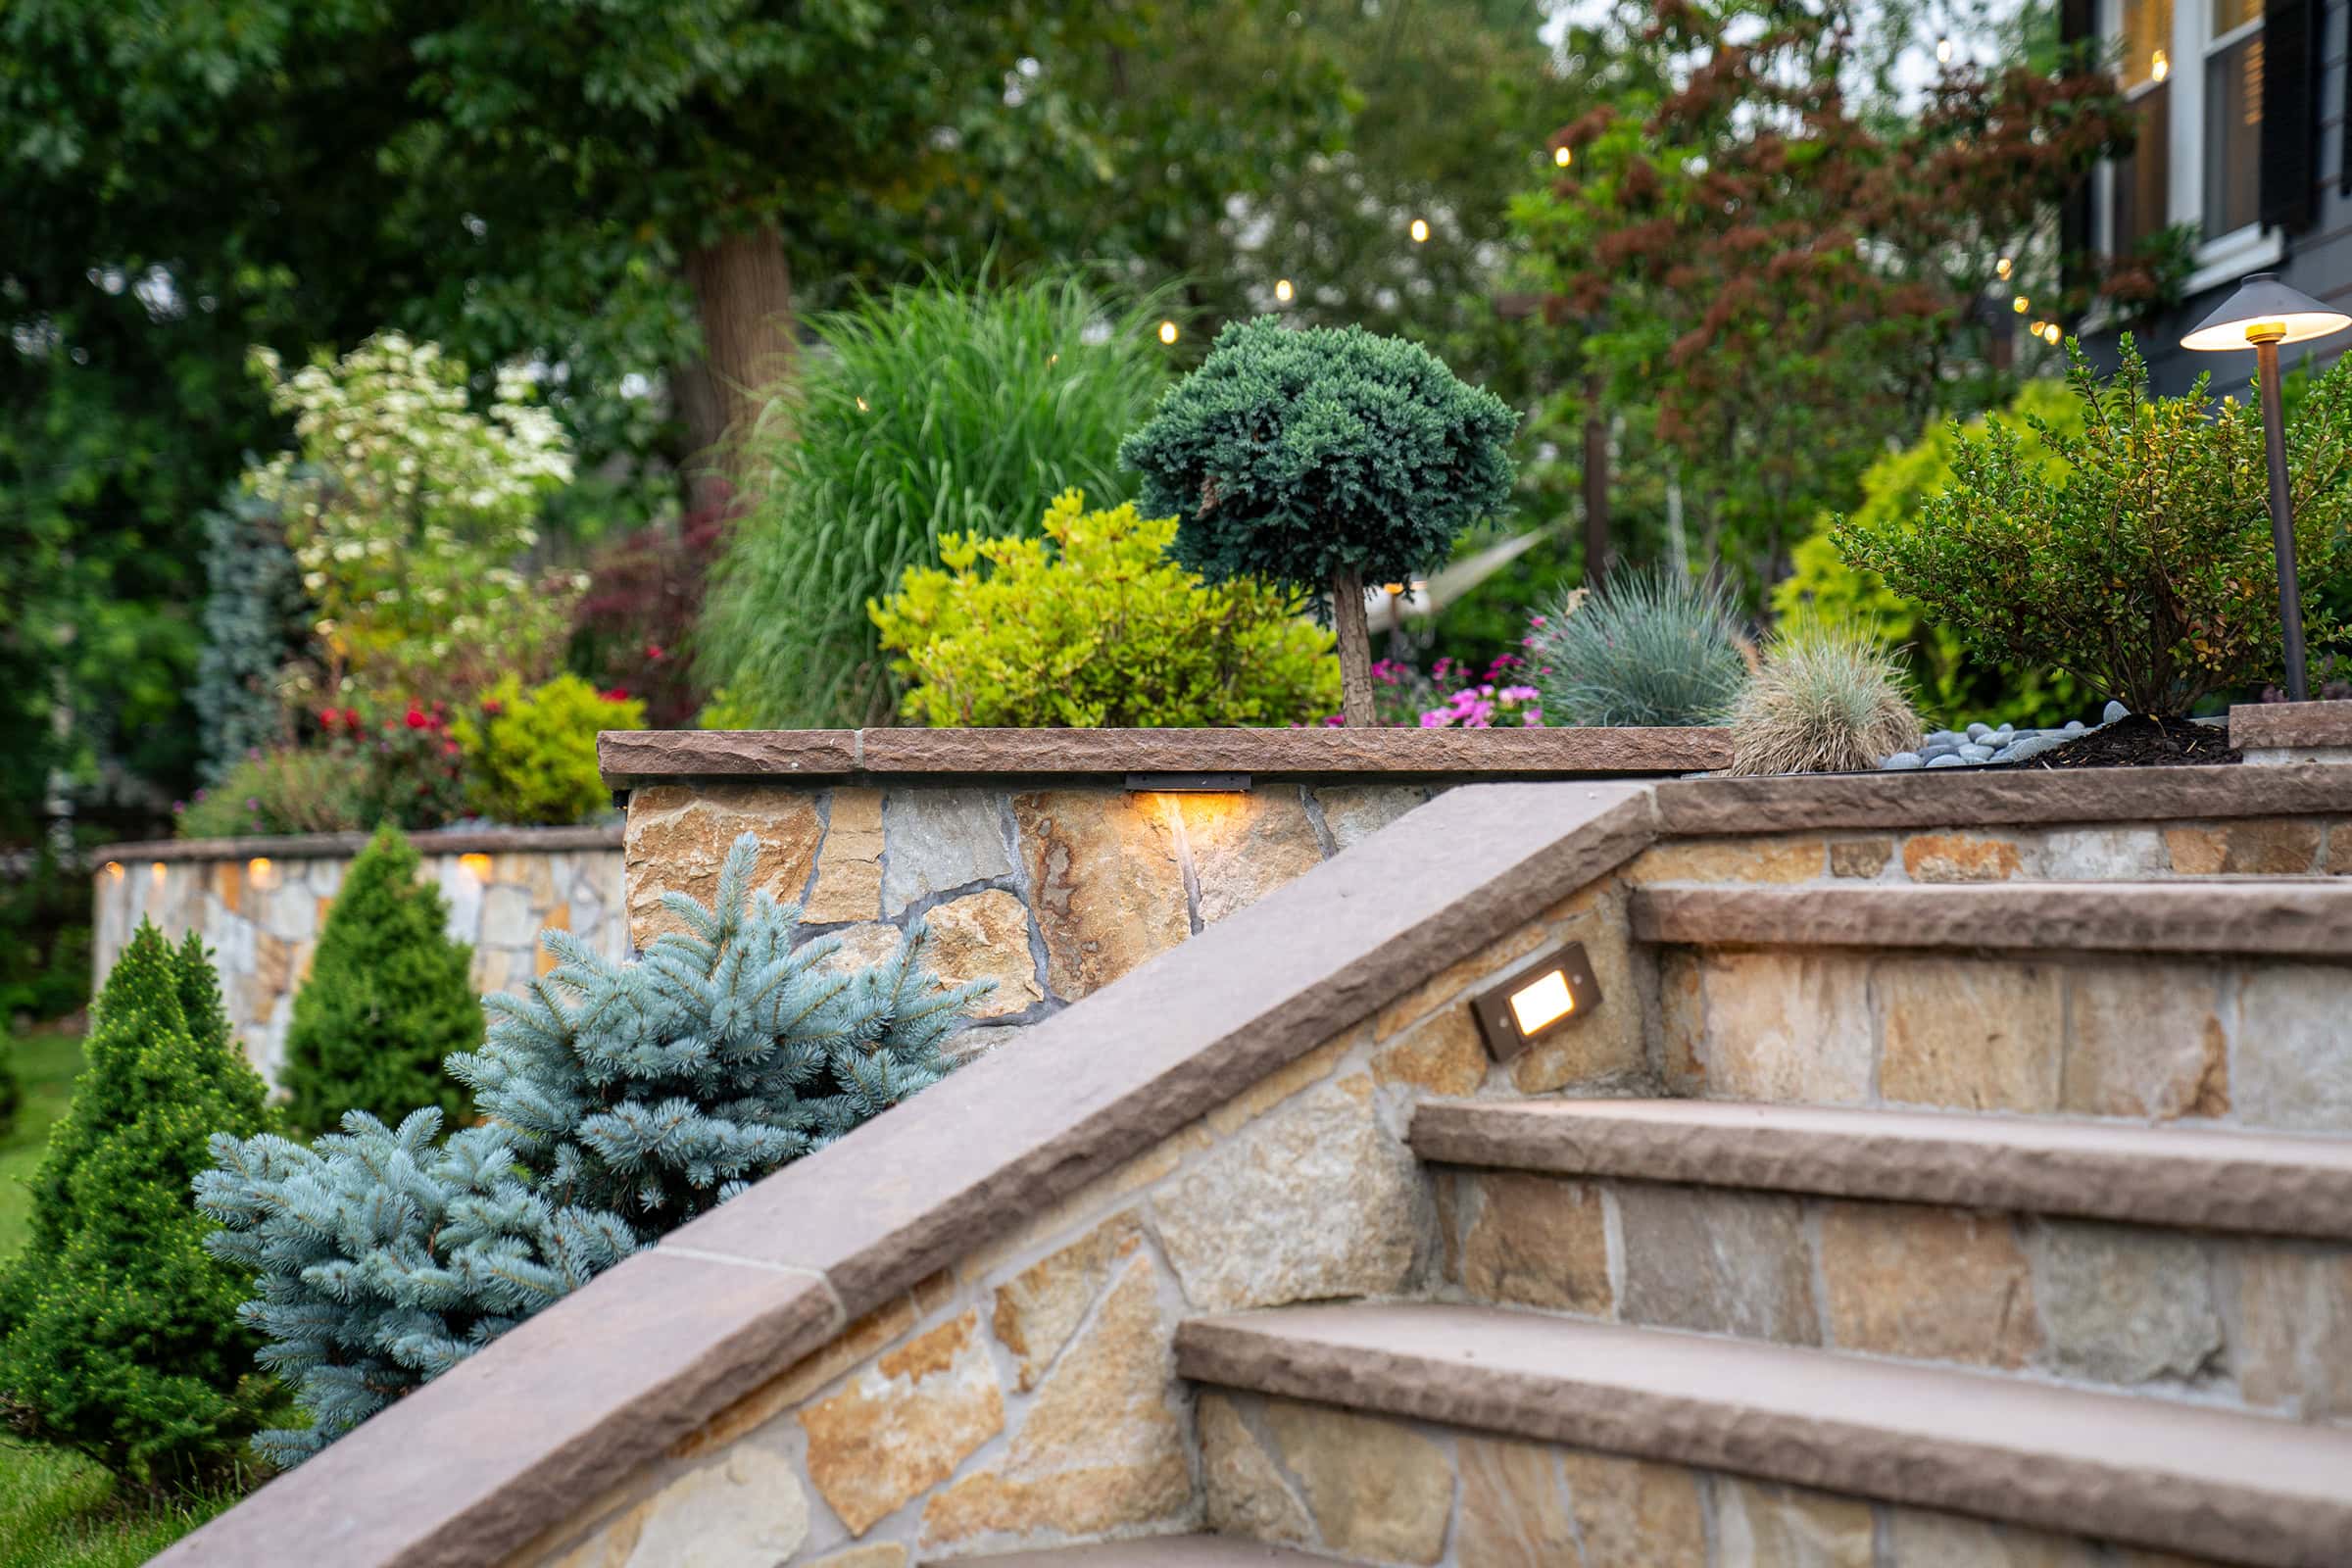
[1164,1551]
[2186,1178]
[630,758]
[2177,1477]
[343,846]
[2265,726]
[2265,918]
[468,1468]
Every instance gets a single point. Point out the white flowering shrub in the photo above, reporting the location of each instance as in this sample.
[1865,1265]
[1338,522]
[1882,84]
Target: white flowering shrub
[411,516]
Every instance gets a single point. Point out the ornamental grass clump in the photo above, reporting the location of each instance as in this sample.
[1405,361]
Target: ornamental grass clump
[2141,564]
[1319,462]
[1653,646]
[1090,627]
[1827,701]
[619,1101]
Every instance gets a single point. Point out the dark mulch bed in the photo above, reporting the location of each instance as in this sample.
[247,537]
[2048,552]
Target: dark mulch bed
[2140,741]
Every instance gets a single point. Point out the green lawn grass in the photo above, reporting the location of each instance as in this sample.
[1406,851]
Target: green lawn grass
[58,1509]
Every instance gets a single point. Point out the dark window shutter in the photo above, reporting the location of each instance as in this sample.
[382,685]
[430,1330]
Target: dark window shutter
[2078,26]
[2290,123]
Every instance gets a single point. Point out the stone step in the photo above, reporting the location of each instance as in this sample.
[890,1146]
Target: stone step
[2269,919]
[1159,1551]
[2223,1486]
[2186,1178]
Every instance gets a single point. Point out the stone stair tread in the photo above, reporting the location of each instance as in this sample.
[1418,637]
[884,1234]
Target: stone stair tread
[2274,917]
[1160,1551]
[2172,1475]
[2194,1178]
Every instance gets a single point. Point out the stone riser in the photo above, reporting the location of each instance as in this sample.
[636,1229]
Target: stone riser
[2263,846]
[2240,1042]
[1376,1490]
[2257,1323]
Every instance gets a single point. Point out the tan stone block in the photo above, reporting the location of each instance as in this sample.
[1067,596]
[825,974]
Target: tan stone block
[1282,1083]
[849,867]
[881,1554]
[1971,1034]
[1353,812]
[2145,1040]
[2196,851]
[1764,1525]
[1105,883]
[862,947]
[1457,981]
[1683,1021]
[863,1338]
[746,1509]
[904,1424]
[2339,848]
[985,936]
[1514,1513]
[1959,857]
[1608,1047]
[228,884]
[2253,846]
[1765,859]
[678,836]
[1376,1488]
[1718,1262]
[556,918]
[1245,846]
[1634,1513]
[1318,1200]
[2292,1070]
[1442,1054]
[1535,1241]
[2122,1305]
[1787,1027]
[272,968]
[493,968]
[1082,1206]
[2290,1337]
[1041,1308]
[1102,1447]
[1860,858]
[1930,1284]
[1924,1539]
[1248,1495]
[533,873]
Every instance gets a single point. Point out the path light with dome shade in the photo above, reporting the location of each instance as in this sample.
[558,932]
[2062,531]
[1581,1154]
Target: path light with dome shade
[2262,315]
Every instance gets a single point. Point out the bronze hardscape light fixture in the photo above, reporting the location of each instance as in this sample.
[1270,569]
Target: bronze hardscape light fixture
[1536,1003]
[2262,315]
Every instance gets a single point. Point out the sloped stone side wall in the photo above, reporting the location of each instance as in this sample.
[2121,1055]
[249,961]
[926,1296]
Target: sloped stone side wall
[1051,892]
[262,916]
[1028,1395]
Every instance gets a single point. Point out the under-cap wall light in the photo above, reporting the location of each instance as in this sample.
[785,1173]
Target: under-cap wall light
[1536,1003]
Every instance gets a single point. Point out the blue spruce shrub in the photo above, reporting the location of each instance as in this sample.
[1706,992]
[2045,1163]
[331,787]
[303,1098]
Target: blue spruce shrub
[256,620]
[620,1099]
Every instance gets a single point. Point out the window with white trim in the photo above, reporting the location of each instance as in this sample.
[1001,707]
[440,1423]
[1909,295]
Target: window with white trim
[2191,73]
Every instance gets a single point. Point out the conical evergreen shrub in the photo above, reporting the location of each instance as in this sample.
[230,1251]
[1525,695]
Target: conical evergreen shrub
[389,1000]
[118,1335]
[620,1099]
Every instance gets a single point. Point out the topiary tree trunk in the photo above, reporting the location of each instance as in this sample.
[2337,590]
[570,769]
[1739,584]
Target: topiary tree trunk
[1355,648]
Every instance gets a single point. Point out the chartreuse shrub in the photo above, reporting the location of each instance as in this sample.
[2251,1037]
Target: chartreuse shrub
[1652,647]
[389,996]
[930,411]
[2145,567]
[532,753]
[1824,591]
[619,1100]
[1091,626]
[1829,700]
[119,1335]
[1321,460]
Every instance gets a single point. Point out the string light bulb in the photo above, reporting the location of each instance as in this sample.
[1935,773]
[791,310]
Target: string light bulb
[2051,334]
[1420,231]
[2021,304]
[1168,331]
[2160,66]
[2033,328]
[1943,51]
[2003,268]
[1283,290]
[1562,157]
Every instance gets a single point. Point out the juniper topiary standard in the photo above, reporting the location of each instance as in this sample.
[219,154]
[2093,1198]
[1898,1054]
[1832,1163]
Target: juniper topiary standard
[622,1100]
[119,1337]
[389,998]
[1321,460]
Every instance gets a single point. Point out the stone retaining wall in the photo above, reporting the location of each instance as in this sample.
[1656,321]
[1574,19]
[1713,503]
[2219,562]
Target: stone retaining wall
[260,904]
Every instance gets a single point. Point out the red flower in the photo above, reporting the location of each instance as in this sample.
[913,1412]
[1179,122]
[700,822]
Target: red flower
[351,716]
[416,719]
[618,694]
[326,718]
[655,651]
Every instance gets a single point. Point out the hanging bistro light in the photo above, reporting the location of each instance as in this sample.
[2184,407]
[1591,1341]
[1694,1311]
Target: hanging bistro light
[1562,157]
[1168,331]
[1420,231]
[1282,290]
[2262,315]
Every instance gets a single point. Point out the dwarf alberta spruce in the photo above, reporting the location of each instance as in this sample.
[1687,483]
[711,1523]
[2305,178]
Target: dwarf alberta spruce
[619,1100]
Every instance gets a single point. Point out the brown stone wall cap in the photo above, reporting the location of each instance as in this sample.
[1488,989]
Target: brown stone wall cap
[2267,726]
[343,846]
[2278,918]
[1961,797]
[531,1429]
[2169,1475]
[2184,1177]
[631,756]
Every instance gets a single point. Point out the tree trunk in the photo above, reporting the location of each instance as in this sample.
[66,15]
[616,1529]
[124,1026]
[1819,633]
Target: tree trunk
[1597,489]
[743,301]
[1355,650]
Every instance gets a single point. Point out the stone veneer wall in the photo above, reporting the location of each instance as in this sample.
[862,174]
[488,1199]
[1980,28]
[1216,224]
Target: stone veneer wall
[261,904]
